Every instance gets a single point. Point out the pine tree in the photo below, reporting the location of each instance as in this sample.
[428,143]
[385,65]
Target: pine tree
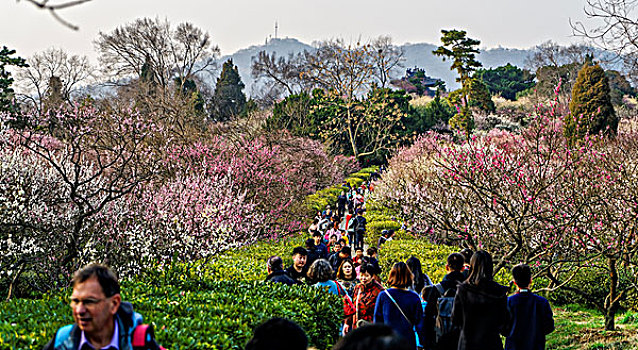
[591,109]
[6,92]
[228,100]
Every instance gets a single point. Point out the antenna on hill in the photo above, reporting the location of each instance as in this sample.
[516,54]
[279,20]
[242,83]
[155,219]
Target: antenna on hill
[276,28]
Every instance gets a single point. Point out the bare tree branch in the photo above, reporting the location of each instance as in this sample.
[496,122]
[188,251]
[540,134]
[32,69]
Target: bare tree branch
[54,7]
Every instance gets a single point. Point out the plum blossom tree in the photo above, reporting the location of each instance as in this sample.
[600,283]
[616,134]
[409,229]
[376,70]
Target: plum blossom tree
[92,159]
[529,198]
[83,185]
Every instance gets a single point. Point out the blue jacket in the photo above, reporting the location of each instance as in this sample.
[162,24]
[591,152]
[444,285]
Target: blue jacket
[68,337]
[385,311]
[531,318]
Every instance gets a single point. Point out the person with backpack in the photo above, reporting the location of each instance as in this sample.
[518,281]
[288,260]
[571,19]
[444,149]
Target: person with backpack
[530,316]
[359,229]
[438,321]
[480,307]
[399,307]
[342,202]
[321,272]
[102,319]
[320,248]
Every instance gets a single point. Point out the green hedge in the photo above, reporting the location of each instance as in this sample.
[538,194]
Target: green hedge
[190,313]
[249,263]
[433,257]
[318,200]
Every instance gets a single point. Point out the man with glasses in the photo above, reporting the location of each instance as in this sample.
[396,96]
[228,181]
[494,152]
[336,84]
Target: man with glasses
[102,320]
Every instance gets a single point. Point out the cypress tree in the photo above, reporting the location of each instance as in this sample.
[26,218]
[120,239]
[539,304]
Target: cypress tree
[228,100]
[591,109]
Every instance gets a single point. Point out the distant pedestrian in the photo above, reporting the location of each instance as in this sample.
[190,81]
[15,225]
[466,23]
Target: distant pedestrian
[421,279]
[347,276]
[298,269]
[447,339]
[365,294]
[359,229]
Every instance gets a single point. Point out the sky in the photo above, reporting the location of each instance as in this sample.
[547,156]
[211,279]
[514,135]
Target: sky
[237,24]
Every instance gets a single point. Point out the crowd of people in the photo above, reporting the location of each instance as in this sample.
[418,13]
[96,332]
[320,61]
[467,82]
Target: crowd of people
[465,310]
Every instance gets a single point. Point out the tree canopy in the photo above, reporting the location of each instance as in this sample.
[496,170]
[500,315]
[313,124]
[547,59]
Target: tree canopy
[6,80]
[228,100]
[591,108]
[506,80]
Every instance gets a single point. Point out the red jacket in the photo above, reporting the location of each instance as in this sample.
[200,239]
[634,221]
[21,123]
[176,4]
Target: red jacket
[364,298]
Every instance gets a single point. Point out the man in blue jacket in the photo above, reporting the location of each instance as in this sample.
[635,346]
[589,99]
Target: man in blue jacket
[102,320]
[530,315]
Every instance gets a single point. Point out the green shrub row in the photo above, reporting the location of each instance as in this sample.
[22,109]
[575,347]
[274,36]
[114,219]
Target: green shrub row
[328,196]
[189,312]
[249,263]
[318,200]
[433,257]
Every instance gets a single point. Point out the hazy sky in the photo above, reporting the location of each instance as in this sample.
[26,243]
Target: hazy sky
[237,24]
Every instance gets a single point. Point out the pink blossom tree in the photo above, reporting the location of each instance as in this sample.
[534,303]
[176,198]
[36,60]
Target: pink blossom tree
[527,198]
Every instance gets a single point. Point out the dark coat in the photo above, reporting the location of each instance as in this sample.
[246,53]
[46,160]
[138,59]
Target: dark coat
[431,296]
[481,314]
[297,276]
[321,251]
[280,276]
[385,311]
[531,319]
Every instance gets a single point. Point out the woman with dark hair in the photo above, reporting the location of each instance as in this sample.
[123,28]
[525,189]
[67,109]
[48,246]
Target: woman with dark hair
[365,294]
[399,307]
[480,306]
[347,276]
[421,279]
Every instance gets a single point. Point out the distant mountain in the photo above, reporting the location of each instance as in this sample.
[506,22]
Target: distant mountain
[416,55]
[419,55]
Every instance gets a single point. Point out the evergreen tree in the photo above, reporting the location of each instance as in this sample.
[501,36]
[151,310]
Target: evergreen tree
[228,100]
[480,96]
[591,108]
[507,80]
[6,92]
[462,51]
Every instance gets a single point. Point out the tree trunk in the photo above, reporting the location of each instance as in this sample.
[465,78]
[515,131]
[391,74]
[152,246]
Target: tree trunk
[611,303]
[15,280]
[610,323]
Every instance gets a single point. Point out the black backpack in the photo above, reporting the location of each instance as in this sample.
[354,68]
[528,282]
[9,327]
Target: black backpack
[444,329]
[360,224]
